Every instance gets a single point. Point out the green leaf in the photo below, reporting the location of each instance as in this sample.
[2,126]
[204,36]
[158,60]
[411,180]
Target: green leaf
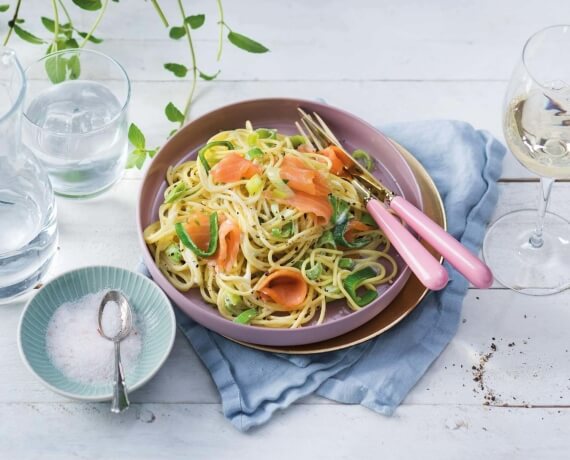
[173,113]
[74,67]
[56,68]
[177,32]
[207,77]
[136,137]
[246,43]
[71,43]
[136,158]
[91,38]
[177,69]
[49,24]
[89,5]
[27,36]
[196,21]
[4,7]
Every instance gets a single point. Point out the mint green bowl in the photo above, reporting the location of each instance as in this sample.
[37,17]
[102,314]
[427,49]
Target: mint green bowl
[149,303]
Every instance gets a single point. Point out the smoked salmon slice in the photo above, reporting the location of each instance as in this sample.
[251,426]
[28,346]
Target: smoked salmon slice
[355,226]
[318,205]
[228,247]
[285,287]
[234,167]
[198,228]
[303,178]
[334,154]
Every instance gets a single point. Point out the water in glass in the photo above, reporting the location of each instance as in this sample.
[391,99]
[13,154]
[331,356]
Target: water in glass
[28,234]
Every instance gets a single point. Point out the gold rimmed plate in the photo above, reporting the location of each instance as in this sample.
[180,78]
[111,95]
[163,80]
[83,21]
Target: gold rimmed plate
[408,298]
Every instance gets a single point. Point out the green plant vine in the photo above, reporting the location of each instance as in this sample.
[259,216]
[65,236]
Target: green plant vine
[66,36]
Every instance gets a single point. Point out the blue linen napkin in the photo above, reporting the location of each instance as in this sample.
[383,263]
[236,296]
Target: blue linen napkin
[465,165]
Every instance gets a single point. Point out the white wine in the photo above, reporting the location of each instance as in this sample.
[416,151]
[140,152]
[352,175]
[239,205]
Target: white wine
[537,131]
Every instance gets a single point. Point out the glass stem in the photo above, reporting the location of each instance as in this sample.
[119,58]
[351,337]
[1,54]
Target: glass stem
[544,189]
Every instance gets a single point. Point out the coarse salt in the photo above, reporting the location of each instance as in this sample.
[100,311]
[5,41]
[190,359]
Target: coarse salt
[75,347]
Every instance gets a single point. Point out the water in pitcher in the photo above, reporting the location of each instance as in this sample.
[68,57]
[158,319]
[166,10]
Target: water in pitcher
[78,131]
[28,234]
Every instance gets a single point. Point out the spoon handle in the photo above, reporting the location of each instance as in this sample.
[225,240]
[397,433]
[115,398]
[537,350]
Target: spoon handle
[120,397]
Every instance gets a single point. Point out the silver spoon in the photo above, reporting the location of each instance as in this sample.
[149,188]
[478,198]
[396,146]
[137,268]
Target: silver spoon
[120,397]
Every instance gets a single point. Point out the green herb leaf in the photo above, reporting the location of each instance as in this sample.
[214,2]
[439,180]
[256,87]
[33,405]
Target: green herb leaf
[173,113]
[56,69]
[70,43]
[74,67]
[48,23]
[89,5]
[135,158]
[4,7]
[245,317]
[246,43]
[136,137]
[207,77]
[27,36]
[196,21]
[91,38]
[177,69]
[177,32]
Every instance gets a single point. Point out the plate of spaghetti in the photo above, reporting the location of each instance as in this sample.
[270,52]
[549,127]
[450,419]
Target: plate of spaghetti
[257,235]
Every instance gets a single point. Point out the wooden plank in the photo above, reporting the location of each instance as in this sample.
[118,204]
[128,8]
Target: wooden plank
[532,373]
[177,431]
[376,40]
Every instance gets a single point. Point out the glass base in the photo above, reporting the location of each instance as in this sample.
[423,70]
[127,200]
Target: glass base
[519,265]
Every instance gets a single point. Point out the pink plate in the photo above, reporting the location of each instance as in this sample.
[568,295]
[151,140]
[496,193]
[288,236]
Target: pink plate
[391,169]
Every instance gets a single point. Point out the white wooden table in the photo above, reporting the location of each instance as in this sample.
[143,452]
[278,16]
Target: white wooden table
[385,61]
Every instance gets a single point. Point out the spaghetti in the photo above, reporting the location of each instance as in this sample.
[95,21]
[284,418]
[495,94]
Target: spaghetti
[261,225]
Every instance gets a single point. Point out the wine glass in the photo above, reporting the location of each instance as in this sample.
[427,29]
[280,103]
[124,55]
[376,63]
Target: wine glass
[529,252]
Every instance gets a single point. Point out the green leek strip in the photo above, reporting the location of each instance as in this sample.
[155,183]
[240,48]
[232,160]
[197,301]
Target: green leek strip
[187,241]
[246,316]
[346,263]
[231,302]
[281,189]
[340,240]
[209,145]
[368,220]
[252,139]
[352,282]
[284,232]
[314,272]
[265,133]
[173,253]
[297,140]
[253,153]
[254,185]
[340,210]
[326,238]
[176,192]
[364,159]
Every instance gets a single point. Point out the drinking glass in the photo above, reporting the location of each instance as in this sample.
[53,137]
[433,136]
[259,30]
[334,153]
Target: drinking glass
[28,231]
[75,120]
[528,251]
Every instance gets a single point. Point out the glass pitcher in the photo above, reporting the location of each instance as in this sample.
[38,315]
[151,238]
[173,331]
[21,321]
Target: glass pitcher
[28,232]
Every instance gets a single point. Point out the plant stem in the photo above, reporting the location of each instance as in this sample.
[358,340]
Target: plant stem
[12,23]
[64,9]
[221,22]
[95,24]
[53,46]
[160,12]
[193,55]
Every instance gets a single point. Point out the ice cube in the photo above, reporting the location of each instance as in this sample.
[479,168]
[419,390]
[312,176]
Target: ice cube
[57,122]
[81,122]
